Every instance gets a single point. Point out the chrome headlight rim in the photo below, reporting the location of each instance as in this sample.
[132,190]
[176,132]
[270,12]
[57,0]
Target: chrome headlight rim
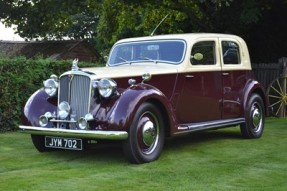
[44,119]
[107,87]
[83,121]
[64,110]
[51,85]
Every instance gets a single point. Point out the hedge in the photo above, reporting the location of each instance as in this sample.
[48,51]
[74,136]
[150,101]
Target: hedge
[19,79]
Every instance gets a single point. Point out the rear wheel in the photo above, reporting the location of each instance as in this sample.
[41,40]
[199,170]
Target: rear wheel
[146,135]
[255,118]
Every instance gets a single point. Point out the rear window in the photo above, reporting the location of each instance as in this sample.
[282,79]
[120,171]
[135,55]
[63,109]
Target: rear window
[230,52]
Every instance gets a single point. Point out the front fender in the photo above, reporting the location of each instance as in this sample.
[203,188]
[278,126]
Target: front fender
[38,104]
[128,103]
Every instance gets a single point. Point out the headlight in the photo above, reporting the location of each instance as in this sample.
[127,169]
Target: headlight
[51,86]
[107,87]
[63,110]
[44,119]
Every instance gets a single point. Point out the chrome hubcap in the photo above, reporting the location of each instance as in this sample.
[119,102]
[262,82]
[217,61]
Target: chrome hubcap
[149,133]
[256,117]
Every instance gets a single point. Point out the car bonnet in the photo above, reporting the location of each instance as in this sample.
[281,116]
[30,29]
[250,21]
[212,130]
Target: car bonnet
[132,70]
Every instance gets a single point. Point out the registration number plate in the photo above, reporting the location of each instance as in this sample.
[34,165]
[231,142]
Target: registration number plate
[63,143]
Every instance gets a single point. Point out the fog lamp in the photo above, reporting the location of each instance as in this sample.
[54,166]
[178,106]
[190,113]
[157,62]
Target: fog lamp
[63,110]
[83,123]
[44,119]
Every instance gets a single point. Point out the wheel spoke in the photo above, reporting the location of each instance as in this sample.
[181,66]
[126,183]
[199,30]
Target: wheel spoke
[274,96]
[279,108]
[280,93]
[280,101]
[277,96]
[279,85]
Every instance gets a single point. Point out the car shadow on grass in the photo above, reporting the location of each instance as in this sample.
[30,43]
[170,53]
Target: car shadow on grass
[105,152]
[111,152]
[196,138]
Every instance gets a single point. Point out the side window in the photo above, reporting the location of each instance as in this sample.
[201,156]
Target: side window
[230,52]
[206,50]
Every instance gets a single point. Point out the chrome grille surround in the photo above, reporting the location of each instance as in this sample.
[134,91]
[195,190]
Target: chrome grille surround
[75,88]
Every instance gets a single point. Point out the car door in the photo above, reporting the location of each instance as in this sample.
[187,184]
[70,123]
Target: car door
[201,93]
[234,79]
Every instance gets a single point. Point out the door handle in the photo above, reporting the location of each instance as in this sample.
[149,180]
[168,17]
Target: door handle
[225,74]
[189,76]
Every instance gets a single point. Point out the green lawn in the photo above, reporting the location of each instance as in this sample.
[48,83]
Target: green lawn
[214,160]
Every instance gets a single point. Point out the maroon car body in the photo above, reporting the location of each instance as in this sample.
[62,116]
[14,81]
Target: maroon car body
[151,88]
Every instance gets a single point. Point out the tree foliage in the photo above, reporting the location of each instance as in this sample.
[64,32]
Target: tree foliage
[106,21]
[50,19]
[19,78]
[110,20]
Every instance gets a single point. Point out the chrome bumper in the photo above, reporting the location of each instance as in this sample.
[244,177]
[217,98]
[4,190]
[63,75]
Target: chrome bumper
[88,134]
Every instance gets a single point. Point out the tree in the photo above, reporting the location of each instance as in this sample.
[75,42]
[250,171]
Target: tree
[51,19]
[119,19]
[108,19]
[103,22]
[267,38]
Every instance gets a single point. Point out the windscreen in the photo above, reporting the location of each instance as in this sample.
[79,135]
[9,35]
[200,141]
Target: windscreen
[165,51]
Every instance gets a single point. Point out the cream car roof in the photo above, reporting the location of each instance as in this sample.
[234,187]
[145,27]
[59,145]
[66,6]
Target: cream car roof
[186,66]
[187,36]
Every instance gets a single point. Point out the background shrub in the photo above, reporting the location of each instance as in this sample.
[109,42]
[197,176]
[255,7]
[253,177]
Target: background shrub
[19,79]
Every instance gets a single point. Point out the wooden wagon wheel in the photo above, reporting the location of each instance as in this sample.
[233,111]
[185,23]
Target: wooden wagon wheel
[277,96]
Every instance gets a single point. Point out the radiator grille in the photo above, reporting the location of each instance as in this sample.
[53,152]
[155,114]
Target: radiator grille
[76,90]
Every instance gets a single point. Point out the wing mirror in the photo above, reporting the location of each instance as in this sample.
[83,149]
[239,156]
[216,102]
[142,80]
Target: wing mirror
[197,56]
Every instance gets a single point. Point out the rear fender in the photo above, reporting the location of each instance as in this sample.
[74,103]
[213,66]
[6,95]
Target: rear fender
[255,87]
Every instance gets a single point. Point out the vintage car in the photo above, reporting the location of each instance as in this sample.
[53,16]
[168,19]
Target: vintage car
[151,88]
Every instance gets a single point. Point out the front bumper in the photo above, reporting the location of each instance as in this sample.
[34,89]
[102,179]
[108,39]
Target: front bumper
[87,134]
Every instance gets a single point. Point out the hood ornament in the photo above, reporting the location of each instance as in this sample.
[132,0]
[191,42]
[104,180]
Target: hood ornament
[75,64]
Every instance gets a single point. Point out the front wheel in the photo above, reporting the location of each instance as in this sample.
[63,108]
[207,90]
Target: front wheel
[146,135]
[255,118]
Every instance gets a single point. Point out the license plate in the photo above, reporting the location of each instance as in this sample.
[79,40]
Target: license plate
[63,143]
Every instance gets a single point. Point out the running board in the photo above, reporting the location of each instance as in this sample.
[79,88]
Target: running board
[190,127]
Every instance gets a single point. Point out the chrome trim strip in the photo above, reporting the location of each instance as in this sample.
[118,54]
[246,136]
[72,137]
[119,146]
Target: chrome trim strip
[63,121]
[190,127]
[93,134]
